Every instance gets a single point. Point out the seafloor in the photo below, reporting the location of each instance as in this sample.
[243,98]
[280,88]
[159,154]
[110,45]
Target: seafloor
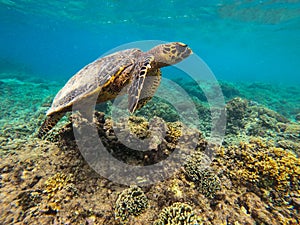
[253,179]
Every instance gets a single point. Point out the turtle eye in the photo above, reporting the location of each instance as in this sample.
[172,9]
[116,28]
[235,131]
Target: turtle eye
[147,64]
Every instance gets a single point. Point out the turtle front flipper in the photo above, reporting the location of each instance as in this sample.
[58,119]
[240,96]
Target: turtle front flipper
[49,123]
[150,86]
[136,87]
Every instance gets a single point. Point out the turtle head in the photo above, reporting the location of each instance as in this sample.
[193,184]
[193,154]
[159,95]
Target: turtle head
[170,53]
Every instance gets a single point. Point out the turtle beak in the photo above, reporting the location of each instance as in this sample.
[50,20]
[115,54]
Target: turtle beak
[186,50]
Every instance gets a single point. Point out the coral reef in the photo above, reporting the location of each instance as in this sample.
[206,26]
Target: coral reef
[247,119]
[229,90]
[131,201]
[268,166]
[163,110]
[57,183]
[178,213]
[271,173]
[278,97]
[53,195]
[236,110]
[297,117]
[21,104]
[197,169]
[49,182]
[59,188]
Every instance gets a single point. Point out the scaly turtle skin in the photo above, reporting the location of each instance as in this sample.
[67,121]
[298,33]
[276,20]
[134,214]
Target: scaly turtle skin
[108,75]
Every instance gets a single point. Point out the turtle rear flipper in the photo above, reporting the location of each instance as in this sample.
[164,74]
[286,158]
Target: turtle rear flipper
[49,123]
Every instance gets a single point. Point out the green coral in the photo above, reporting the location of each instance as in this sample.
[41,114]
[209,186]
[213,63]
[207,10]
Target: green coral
[196,169]
[131,201]
[177,214]
[160,108]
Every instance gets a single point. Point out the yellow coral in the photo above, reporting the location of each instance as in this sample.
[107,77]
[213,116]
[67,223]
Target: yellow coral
[267,165]
[174,187]
[174,131]
[139,126]
[56,183]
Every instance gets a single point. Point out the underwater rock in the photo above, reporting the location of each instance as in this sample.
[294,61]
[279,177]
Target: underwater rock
[29,199]
[229,91]
[131,201]
[252,205]
[155,140]
[178,213]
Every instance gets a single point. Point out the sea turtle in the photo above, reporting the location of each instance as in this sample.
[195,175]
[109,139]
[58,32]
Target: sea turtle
[108,75]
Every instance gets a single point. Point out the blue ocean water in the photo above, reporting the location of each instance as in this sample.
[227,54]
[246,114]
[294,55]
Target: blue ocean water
[255,40]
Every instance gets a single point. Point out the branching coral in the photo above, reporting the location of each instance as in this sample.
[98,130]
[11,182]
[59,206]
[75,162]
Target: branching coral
[131,201]
[177,214]
[59,187]
[58,182]
[268,166]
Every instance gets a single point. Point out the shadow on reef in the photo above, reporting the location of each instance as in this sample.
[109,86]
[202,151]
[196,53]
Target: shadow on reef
[253,178]
[160,147]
